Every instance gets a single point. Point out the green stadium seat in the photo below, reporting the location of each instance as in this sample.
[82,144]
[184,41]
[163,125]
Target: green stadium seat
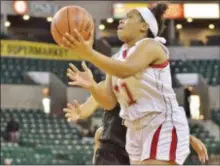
[39,138]
[8,75]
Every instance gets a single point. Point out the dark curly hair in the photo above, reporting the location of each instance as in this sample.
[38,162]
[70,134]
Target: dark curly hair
[158,11]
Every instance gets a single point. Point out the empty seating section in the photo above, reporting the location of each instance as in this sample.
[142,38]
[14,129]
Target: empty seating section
[12,69]
[44,140]
[24,155]
[51,140]
[212,145]
[209,69]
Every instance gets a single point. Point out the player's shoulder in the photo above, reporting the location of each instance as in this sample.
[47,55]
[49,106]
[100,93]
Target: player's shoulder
[148,42]
[150,45]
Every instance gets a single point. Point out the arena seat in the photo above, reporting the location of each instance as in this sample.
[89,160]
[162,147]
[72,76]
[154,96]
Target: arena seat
[25,155]
[216,116]
[50,140]
[44,140]
[40,126]
[213,40]
[211,144]
[13,69]
[209,69]
[196,43]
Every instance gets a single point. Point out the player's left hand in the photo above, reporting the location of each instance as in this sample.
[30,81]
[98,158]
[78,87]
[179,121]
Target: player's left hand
[83,79]
[200,149]
[77,44]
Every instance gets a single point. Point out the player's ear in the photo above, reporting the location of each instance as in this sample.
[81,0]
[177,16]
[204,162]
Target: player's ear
[143,27]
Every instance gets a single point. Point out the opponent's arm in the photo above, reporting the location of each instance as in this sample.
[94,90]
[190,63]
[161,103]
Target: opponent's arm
[97,142]
[200,148]
[74,111]
[89,107]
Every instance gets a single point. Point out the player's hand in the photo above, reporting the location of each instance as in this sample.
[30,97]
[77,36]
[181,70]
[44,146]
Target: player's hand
[83,79]
[77,44]
[91,38]
[73,111]
[200,149]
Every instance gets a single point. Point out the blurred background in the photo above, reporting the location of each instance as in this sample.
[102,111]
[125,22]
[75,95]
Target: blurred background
[34,86]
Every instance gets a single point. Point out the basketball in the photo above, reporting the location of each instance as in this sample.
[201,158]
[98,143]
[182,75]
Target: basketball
[69,18]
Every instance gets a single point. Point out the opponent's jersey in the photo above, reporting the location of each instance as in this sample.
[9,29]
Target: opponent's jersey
[147,91]
[113,130]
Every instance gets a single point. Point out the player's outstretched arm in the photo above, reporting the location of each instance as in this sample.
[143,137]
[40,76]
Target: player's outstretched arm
[101,93]
[146,53]
[200,148]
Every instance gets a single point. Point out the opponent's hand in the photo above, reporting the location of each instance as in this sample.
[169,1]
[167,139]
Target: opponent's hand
[77,44]
[200,149]
[83,79]
[73,111]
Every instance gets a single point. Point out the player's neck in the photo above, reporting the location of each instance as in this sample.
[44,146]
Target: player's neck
[131,43]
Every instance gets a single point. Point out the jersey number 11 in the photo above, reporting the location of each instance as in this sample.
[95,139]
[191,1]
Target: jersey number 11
[128,92]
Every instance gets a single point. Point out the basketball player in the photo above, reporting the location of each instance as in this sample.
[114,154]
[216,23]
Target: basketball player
[139,79]
[109,140]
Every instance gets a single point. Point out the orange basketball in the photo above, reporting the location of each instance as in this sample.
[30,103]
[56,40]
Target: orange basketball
[69,18]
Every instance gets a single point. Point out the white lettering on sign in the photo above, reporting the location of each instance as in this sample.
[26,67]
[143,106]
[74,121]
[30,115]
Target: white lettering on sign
[44,9]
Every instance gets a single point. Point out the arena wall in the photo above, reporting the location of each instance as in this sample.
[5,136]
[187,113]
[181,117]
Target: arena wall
[30,97]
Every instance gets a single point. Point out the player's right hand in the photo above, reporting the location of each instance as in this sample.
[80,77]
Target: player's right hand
[73,112]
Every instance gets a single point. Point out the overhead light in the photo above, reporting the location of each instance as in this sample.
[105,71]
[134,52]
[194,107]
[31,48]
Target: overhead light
[179,26]
[110,20]
[201,10]
[211,26]
[26,17]
[7,24]
[101,27]
[189,20]
[20,7]
[49,19]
